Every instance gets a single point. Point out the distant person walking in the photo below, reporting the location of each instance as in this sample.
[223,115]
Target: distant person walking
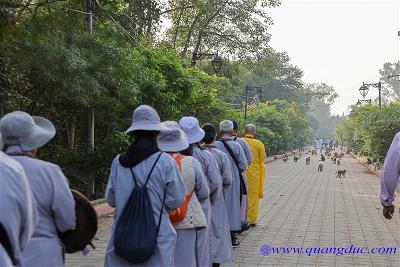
[23,136]
[255,173]
[174,141]
[390,177]
[19,215]
[143,161]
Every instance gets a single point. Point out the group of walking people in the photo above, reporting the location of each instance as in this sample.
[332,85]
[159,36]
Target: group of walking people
[196,187]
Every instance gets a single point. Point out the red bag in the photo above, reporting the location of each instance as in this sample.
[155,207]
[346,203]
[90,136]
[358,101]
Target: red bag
[179,214]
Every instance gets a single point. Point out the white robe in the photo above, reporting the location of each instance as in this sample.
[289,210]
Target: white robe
[56,208]
[18,212]
[232,196]
[120,185]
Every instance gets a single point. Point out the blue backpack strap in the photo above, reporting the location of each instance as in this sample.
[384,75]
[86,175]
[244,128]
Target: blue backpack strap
[148,176]
[152,168]
[162,209]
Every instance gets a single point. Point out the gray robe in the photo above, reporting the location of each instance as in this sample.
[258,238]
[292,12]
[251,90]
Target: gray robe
[119,188]
[232,196]
[185,251]
[249,158]
[56,208]
[18,213]
[211,171]
[221,245]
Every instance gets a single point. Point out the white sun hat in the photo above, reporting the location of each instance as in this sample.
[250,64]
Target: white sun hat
[190,125]
[145,118]
[29,132]
[173,139]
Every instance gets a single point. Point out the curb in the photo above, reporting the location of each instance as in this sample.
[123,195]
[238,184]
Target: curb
[370,167]
[102,208]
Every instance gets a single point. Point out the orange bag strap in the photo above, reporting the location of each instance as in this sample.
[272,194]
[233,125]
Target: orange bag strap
[178,158]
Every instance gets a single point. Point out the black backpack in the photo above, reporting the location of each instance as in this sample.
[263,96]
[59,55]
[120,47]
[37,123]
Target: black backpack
[135,237]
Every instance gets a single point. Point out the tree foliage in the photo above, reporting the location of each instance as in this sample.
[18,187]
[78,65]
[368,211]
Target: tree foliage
[370,128]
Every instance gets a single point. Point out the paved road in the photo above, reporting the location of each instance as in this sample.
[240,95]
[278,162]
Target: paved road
[305,208]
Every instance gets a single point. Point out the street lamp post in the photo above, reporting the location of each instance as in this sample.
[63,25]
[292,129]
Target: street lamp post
[248,88]
[364,90]
[216,60]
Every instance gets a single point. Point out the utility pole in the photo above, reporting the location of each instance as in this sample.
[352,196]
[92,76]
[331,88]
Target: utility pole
[90,114]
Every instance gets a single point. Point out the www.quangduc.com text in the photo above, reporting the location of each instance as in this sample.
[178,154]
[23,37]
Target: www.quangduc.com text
[267,250]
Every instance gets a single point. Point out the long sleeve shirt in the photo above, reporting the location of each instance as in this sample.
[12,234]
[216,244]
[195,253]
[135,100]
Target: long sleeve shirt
[390,176]
[18,213]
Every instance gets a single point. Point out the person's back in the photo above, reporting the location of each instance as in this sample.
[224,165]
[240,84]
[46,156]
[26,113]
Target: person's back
[143,159]
[24,135]
[233,197]
[56,208]
[255,173]
[18,214]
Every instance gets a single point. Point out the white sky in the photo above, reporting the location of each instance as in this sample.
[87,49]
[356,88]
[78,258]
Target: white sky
[341,43]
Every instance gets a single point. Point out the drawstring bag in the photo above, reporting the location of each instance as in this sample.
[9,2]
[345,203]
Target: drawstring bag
[135,238]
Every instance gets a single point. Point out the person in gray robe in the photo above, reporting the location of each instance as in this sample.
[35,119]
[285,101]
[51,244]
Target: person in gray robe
[195,134]
[174,141]
[140,157]
[233,195]
[249,158]
[24,135]
[18,213]
[220,245]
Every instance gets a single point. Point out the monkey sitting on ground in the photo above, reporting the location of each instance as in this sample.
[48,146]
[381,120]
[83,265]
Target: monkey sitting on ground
[320,167]
[322,158]
[308,160]
[295,159]
[334,160]
[368,161]
[275,158]
[341,174]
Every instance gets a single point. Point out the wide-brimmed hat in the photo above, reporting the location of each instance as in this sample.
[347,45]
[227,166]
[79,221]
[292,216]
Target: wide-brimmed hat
[173,139]
[190,125]
[29,132]
[145,118]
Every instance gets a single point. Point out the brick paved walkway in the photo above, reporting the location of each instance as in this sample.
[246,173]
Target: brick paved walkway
[305,208]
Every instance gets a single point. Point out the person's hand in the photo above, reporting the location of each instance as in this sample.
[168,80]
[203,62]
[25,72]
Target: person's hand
[388,211]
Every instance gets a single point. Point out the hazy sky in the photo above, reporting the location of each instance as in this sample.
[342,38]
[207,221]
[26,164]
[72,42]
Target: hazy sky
[341,43]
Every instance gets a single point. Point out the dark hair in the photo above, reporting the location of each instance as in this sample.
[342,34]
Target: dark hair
[188,151]
[210,133]
[140,134]
[235,125]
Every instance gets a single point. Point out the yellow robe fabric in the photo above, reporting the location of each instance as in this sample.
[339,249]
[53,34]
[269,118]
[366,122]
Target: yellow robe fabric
[255,177]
